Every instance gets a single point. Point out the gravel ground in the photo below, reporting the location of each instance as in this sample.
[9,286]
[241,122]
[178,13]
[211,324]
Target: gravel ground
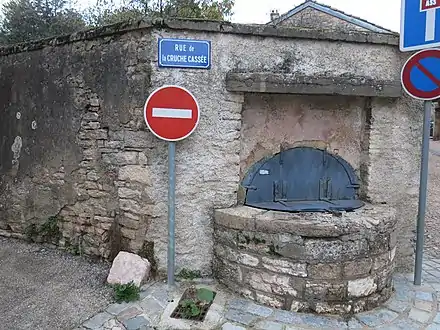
[432,231]
[47,289]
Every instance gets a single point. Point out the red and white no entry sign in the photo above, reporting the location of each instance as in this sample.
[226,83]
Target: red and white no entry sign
[171,113]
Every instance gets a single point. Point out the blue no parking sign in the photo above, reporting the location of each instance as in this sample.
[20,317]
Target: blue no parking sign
[421,75]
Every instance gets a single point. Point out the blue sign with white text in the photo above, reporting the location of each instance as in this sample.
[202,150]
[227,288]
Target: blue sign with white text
[420,25]
[184,53]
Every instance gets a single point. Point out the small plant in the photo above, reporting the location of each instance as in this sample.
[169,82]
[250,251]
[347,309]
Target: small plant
[50,229]
[126,292]
[205,295]
[190,309]
[31,232]
[48,232]
[189,274]
[194,304]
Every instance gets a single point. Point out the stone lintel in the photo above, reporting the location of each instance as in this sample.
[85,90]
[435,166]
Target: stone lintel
[280,83]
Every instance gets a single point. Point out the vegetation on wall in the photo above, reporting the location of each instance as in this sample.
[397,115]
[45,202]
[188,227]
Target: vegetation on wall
[49,231]
[25,20]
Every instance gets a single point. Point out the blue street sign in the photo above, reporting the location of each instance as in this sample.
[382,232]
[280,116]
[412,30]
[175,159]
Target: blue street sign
[419,25]
[184,53]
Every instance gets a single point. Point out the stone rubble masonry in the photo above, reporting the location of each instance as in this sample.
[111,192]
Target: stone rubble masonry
[91,161]
[316,262]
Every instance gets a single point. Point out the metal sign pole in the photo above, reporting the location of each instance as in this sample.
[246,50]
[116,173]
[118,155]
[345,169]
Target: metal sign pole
[422,193]
[171,114]
[171,211]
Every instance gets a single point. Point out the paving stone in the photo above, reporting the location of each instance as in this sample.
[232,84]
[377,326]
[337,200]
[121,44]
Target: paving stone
[287,317]
[433,326]
[427,306]
[435,286]
[436,318]
[113,324]
[97,321]
[409,276]
[419,315]
[137,323]
[424,296]
[426,273]
[269,325]
[259,310]
[230,326]
[152,307]
[428,267]
[436,261]
[402,324]
[145,293]
[355,324]
[240,316]
[430,279]
[435,272]
[404,293]
[161,295]
[129,313]
[239,304]
[115,309]
[325,322]
[377,317]
[398,306]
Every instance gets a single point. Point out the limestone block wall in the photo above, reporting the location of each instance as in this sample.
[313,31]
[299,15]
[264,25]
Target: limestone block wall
[74,145]
[77,110]
[393,165]
[303,262]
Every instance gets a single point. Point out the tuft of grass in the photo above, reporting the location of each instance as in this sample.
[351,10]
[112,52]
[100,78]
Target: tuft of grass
[50,229]
[31,232]
[126,292]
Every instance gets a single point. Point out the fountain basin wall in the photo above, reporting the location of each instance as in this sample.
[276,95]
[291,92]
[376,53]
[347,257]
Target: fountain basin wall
[320,262]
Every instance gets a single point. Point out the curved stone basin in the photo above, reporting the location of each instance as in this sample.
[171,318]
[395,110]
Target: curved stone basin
[319,262]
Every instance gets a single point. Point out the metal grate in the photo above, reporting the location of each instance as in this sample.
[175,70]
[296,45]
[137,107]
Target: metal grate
[178,312]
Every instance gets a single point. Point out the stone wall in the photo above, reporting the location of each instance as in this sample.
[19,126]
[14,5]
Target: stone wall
[83,153]
[74,146]
[315,19]
[300,262]
[393,166]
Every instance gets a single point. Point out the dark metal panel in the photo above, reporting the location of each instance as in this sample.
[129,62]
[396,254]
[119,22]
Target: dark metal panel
[302,178]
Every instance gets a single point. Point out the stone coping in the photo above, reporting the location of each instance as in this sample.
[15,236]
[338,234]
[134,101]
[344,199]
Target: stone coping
[307,224]
[206,26]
